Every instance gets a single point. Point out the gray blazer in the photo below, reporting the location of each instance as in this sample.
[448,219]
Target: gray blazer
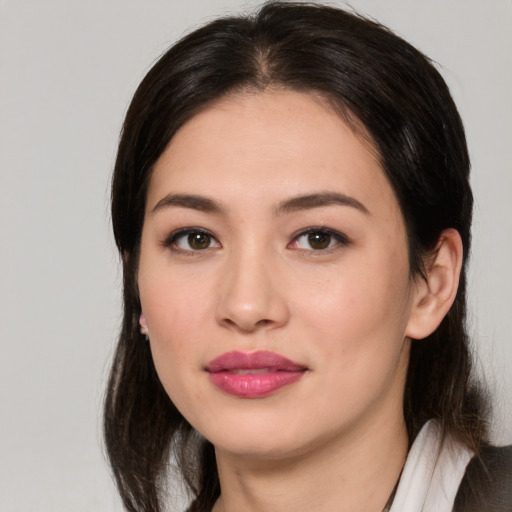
[487,484]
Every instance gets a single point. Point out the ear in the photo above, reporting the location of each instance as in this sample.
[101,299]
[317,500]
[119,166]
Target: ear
[434,295]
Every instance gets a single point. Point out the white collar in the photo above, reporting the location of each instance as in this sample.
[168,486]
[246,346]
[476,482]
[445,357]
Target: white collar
[432,473]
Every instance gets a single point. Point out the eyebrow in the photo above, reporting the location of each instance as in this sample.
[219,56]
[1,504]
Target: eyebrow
[318,200]
[294,204]
[194,202]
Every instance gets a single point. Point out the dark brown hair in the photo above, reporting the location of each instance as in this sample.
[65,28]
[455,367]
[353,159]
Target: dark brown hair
[368,74]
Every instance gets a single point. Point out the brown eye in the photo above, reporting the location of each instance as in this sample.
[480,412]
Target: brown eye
[199,241]
[319,240]
[191,240]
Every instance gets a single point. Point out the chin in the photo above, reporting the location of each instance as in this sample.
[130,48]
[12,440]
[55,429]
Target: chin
[263,438]
[259,449]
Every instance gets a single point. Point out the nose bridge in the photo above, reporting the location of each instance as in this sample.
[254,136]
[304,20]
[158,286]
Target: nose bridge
[249,296]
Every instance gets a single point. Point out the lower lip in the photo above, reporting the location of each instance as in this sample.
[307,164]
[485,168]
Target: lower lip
[255,385]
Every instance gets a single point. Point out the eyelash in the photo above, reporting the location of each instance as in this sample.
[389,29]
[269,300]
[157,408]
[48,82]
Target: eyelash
[339,238]
[171,240]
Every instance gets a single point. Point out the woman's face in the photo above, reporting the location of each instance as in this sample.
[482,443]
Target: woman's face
[274,277]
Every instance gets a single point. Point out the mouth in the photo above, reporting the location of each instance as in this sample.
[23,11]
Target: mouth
[253,375]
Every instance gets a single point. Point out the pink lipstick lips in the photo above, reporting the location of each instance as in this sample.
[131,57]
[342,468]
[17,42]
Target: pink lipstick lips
[253,375]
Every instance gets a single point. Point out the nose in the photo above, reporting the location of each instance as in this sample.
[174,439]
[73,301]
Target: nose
[250,296]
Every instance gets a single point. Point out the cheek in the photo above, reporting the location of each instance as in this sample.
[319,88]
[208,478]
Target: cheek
[360,349]
[171,295]
[175,348]
[358,318]
[180,334]
[176,316]
[355,300]
[171,311]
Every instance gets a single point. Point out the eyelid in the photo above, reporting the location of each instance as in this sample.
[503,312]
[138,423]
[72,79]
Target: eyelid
[341,238]
[178,233]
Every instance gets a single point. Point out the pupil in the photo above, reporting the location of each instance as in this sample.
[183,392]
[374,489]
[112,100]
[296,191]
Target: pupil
[199,240]
[319,240]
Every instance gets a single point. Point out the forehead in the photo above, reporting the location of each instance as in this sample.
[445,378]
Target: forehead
[270,144]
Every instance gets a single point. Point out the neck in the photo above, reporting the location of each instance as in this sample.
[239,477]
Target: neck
[355,473]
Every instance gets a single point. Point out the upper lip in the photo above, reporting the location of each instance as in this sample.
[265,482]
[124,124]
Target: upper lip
[253,361]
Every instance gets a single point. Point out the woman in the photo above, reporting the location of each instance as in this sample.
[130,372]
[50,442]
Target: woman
[292,206]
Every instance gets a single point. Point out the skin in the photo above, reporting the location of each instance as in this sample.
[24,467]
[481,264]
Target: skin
[345,312]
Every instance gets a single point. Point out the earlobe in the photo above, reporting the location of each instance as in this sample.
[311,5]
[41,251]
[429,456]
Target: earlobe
[143,326]
[434,295]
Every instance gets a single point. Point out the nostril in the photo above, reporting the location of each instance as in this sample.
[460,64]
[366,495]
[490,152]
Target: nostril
[248,306]
[246,324]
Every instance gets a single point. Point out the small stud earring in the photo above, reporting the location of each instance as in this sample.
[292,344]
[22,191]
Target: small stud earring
[143,326]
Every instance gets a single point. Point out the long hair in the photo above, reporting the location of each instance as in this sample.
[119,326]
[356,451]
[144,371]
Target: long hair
[367,74]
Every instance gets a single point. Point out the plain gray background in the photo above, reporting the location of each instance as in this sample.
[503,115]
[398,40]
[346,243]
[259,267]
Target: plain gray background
[68,69]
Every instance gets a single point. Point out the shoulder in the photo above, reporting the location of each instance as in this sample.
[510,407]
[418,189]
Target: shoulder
[487,483]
